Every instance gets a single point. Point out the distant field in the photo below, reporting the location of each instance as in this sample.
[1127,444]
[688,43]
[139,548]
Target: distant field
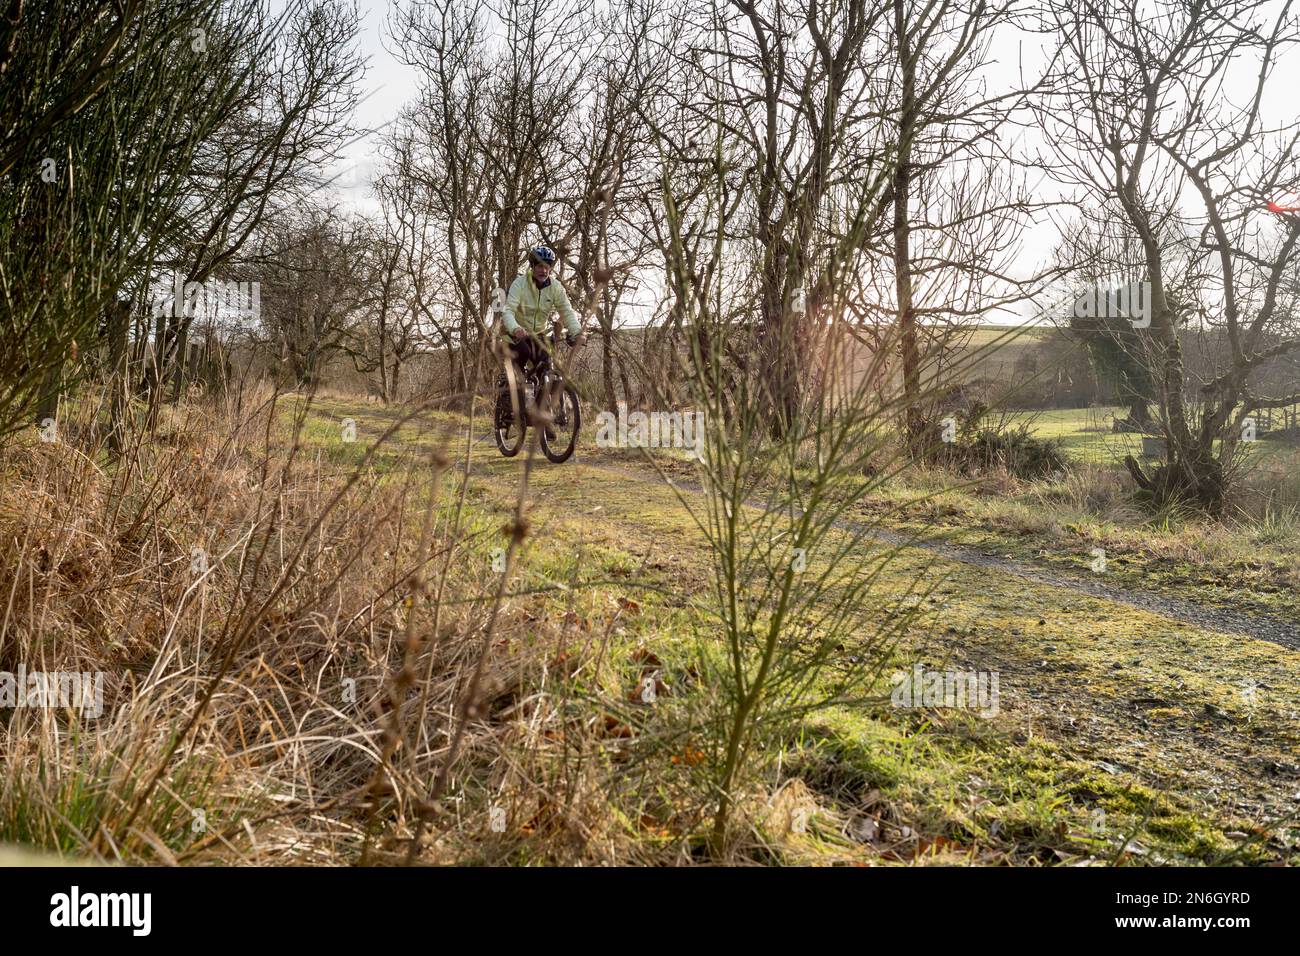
[989,334]
[1085,435]
[992,351]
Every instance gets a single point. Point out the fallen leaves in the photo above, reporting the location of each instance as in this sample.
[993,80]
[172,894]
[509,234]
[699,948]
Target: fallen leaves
[689,756]
[616,728]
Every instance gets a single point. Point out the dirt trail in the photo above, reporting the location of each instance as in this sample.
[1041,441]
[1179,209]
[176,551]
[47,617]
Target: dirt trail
[1259,627]
[1112,686]
[1129,696]
[1270,628]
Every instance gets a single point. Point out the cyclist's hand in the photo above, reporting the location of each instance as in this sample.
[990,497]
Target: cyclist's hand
[519,334]
[578,341]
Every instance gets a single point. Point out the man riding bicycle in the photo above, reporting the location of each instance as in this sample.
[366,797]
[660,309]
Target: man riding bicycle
[532,298]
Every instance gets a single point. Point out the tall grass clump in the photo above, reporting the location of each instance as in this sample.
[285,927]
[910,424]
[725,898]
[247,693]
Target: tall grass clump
[249,605]
[798,618]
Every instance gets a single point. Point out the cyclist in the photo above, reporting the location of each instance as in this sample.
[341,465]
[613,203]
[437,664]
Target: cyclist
[533,296]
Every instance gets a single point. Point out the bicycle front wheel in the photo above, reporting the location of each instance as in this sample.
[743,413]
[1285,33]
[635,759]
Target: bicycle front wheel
[508,426]
[561,437]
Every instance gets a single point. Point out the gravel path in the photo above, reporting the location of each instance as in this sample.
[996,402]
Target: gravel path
[1259,627]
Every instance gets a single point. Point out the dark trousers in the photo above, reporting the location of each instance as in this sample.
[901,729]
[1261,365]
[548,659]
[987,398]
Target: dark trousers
[531,352]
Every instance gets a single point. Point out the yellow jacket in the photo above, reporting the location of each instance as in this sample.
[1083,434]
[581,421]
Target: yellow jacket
[531,307]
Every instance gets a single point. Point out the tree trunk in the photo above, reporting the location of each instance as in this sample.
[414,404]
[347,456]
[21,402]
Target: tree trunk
[181,363]
[607,369]
[51,386]
[902,238]
[911,354]
[119,325]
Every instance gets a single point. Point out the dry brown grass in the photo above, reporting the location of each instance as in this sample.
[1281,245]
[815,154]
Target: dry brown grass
[229,730]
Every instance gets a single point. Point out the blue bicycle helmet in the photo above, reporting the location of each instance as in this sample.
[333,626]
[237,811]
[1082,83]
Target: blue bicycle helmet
[541,254]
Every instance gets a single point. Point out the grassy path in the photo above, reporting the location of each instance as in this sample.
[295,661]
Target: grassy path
[1121,726]
[1264,626]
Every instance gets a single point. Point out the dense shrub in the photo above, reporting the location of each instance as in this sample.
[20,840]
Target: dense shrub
[978,445]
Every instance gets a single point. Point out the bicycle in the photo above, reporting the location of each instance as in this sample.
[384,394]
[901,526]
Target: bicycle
[518,403]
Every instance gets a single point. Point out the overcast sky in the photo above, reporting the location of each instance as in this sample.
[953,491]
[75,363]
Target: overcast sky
[388,85]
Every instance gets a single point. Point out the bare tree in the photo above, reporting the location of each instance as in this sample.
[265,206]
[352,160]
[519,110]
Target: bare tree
[775,107]
[397,314]
[294,115]
[488,127]
[316,278]
[1141,115]
[957,200]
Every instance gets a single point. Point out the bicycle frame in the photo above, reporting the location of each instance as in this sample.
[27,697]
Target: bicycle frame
[549,378]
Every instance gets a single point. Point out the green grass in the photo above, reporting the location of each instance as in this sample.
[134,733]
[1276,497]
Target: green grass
[1085,434]
[1025,786]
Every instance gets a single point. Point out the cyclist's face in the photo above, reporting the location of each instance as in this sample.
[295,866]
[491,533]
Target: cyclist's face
[541,272]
